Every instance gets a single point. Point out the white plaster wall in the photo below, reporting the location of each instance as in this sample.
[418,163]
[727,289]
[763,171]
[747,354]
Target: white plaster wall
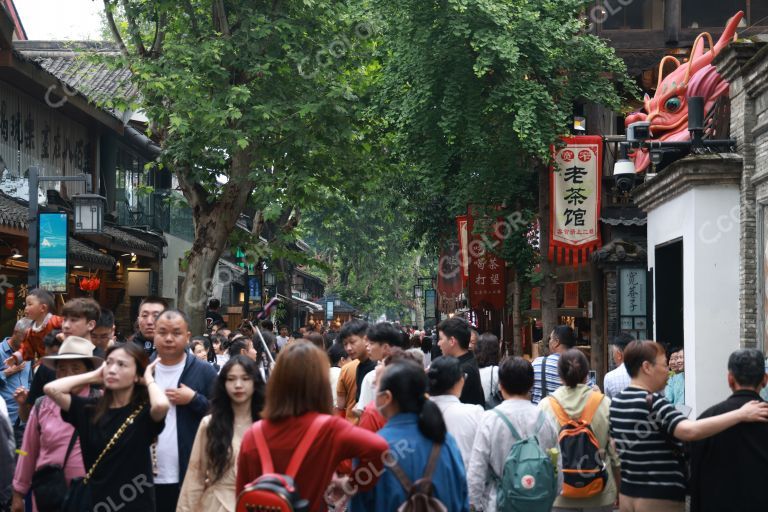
[176,249]
[707,219]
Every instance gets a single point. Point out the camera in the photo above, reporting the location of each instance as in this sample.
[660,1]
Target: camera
[624,170]
[639,131]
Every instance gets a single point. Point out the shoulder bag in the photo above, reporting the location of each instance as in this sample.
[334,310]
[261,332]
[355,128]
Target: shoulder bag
[79,494]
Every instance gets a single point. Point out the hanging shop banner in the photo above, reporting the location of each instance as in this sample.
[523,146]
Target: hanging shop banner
[430,303]
[487,271]
[449,279]
[575,200]
[52,243]
[536,298]
[571,295]
[462,225]
[254,288]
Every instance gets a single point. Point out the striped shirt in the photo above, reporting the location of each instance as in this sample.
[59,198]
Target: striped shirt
[650,466]
[553,377]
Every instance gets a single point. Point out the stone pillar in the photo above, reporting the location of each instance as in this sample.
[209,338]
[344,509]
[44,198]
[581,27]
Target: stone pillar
[730,64]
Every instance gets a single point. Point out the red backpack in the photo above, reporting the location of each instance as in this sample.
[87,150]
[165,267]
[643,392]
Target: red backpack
[272,491]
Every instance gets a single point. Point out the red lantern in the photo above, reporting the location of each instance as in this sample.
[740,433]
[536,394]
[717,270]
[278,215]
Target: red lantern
[90,284]
[10,298]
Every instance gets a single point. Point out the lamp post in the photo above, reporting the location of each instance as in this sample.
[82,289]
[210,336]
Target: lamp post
[89,214]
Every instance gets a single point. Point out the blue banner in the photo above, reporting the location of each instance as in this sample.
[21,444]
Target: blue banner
[254,288]
[52,259]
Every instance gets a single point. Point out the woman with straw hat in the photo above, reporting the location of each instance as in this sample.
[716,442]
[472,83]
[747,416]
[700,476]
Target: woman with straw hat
[48,439]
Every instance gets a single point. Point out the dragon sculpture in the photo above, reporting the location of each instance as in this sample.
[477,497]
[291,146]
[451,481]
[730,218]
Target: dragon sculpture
[667,111]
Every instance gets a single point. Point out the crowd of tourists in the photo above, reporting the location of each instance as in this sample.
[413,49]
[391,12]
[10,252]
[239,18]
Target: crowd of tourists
[359,417]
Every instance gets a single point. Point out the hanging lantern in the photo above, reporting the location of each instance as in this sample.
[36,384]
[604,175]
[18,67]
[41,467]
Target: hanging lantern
[90,284]
[10,298]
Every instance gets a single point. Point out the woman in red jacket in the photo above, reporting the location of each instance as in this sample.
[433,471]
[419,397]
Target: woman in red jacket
[298,391]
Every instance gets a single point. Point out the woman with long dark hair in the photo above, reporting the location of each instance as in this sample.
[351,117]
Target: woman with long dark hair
[117,429]
[236,403]
[417,435]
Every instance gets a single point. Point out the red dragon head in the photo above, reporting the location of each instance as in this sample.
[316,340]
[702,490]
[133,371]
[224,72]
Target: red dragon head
[667,111]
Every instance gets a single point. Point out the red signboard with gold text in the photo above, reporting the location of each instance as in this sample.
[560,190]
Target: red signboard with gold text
[487,272]
[574,229]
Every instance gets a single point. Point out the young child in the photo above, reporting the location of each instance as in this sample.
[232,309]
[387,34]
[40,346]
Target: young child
[39,308]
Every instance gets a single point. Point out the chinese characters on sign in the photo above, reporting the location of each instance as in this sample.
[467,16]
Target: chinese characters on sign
[33,134]
[575,200]
[632,301]
[487,271]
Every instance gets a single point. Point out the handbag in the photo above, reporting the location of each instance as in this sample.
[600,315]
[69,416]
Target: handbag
[49,484]
[79,494]
[495,398]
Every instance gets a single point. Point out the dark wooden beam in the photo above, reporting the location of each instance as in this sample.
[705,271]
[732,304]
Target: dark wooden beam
[672,18]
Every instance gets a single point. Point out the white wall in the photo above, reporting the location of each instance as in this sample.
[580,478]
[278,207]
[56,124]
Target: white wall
[707,219]
[176,249]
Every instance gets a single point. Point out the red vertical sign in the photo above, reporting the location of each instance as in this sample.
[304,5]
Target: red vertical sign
[575,179]
[487,271]
[571,295]
[461,225]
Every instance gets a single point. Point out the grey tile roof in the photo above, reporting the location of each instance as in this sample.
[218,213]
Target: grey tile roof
[12,214]
[129,242]
[80,253]
[72,62]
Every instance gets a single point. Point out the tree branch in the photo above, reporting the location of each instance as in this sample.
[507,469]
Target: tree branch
[220,22]
[157,45]
[192,18]
[113,28]
[133,29]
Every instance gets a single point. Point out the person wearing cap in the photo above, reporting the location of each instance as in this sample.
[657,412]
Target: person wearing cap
[617,380]
[47,436]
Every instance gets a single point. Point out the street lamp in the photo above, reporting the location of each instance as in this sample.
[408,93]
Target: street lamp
[89,213]
[417,291]
[33,274]
[269,278]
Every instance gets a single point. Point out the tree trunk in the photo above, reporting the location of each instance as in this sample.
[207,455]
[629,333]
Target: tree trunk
[597,325]
[214,220]
[517,335]
[549,282]
[284,283]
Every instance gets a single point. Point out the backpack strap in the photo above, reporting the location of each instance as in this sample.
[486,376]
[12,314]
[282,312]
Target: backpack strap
[508,423]
[593,402]
[544,391]
[432,462]
[562,417]
[267,466]
[301,451]
[261,446]
[429,470]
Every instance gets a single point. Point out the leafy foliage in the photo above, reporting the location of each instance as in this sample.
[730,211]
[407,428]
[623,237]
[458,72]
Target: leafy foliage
[478,90]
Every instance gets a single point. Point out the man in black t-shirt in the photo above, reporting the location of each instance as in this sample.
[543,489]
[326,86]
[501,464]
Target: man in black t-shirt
[454,335]
[149,310]
[742,448]
[212,316]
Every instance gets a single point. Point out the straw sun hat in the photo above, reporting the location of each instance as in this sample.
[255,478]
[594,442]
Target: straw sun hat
[74,347]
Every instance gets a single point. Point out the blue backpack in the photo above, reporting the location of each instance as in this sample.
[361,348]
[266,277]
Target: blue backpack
[528,482]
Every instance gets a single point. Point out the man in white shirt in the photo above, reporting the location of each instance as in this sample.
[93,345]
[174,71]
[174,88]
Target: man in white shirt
[617,380]
[187,382]
[282,339]
[446,381]
[381,338]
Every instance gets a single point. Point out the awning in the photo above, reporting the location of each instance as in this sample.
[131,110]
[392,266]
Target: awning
[301,302]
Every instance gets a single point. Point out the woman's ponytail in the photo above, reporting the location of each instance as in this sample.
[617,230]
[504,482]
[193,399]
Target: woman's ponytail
[431,422]
[407,382]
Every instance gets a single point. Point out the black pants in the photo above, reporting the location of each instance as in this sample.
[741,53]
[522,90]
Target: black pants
[166,497]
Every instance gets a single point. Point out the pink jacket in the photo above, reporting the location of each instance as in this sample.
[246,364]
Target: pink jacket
[46,439]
